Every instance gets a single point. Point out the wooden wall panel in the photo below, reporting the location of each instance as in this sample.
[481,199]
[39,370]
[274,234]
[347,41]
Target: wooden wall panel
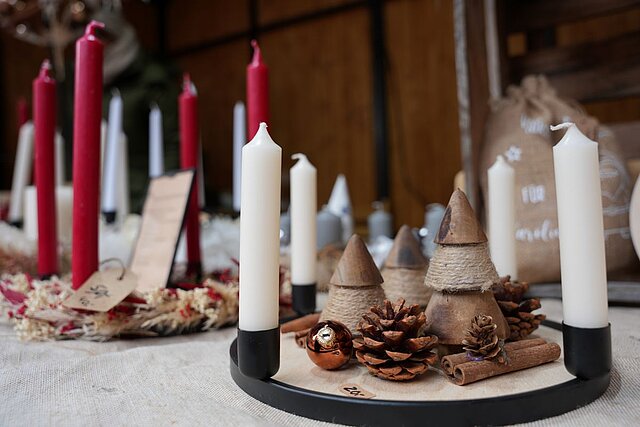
[321,100]
[270,11]
[424,134]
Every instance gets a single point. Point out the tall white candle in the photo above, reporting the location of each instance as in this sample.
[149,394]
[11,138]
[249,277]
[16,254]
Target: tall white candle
[103,145]
[156,144]
[582,256]
[340,204]
[239,139]
[60,169]
[200,176]
[112,155]
[303,177]
[122,179]
[21,172]
[502,217]
[64,207]
[260,233]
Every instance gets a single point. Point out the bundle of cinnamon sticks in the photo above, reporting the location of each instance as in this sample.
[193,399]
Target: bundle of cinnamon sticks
[517,355]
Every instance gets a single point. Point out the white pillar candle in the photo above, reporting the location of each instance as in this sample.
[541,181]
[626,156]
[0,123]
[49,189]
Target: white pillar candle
[502,218]
[340,204]
[260,233]
[303,177]
[582,256]
[239,139]
[21,172]
[112,155]
[60,169]
[64,207]
[122,180]
[156,144]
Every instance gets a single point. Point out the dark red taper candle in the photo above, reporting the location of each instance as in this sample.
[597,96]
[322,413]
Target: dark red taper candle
[257,92]
[44,120]
[86,154]
[189,140]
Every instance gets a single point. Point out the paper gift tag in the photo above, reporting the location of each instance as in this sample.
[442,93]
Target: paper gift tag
[103,290]
[354,390]
[162,219]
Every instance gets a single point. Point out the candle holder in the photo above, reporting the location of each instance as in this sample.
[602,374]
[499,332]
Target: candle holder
[303,298]
[109,216]
[587,351]
[258,353]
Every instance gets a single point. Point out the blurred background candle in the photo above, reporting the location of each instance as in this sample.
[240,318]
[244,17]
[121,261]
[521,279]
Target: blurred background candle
[189,155]
[303,208]
[60,168]
[582,257]
[257,91]
[379,222]
[156,145]
[21,173]
[64,213]
[122,180]
[44,120]
[260,233]
[340,204]
[239,139]
[86,154]
[502,217]
[329,228]
[113,157]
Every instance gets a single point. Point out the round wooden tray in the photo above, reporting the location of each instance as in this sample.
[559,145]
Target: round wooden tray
[301,388]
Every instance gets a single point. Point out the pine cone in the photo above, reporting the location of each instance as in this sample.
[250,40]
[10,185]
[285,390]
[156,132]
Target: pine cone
[393,345]
[482,342]
[517,310]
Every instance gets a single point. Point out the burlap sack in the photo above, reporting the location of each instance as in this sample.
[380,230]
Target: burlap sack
[518,128]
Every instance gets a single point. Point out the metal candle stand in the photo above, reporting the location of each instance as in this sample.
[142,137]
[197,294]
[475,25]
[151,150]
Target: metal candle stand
[587,355]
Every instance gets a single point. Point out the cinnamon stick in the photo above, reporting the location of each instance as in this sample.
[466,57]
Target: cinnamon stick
[301,337]
[304,322]
[523,358]
[449,362]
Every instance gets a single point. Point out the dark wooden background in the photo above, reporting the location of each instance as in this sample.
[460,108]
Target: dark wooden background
[320,59]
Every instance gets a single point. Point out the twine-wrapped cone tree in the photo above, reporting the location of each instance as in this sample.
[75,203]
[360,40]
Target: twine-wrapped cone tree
[354,287]
[461,275]
[404,270]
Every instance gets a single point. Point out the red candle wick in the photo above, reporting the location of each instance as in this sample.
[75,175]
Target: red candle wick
[257,53]
[92,26]
[45,70]
[186,83]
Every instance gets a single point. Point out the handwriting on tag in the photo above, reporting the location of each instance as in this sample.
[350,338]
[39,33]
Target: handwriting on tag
[103,290]
[354,390]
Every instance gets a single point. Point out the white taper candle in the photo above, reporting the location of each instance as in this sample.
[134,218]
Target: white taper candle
[303,177]
[60,169]
[112,155]
[260,233]
[582,256]
[502,218]
[239,139]
[22,168]
[156,144]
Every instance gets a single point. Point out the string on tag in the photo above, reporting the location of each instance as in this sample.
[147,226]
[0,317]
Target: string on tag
[119,261]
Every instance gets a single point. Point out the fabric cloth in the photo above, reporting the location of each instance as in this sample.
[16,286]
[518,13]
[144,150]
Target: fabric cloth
[185,380]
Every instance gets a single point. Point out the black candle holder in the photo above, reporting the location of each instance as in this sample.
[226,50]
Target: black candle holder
[303,298]
[587,351]
[109,216]
[259,353]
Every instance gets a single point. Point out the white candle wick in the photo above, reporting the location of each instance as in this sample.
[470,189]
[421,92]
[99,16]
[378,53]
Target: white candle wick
[565,125]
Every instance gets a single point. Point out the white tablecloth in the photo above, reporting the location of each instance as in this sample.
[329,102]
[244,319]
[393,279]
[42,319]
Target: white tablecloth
[185,381]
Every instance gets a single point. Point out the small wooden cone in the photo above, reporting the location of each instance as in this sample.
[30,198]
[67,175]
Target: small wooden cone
[459,225]
[406,251]
[356,267]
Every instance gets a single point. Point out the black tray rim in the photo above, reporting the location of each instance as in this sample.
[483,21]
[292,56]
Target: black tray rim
[516,408]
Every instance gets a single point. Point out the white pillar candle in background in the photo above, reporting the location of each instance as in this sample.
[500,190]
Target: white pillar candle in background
[156,144]
[112,155]
[340,204]
[239,139]
[303,177]
[122,180]
[260,233]
[59,150]
[502,217]
[64,207]
[22,168]
[582,256]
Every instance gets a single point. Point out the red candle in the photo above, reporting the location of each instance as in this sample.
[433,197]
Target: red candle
[23,112]
[188,104]
[257,92]
[86,154]
[44,120]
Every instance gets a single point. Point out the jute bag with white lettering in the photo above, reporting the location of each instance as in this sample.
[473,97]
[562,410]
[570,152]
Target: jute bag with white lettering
[518,128]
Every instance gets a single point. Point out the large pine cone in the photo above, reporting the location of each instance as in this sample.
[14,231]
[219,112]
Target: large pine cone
[516,309]
[482,342]
[393,345]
